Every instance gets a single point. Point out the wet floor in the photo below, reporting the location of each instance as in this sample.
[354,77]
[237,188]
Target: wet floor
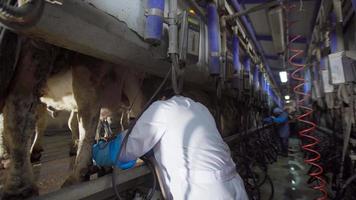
[289,176]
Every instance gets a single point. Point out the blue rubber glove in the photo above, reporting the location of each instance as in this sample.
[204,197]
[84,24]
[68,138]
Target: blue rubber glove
[105,154]
[268,120]
[283,118]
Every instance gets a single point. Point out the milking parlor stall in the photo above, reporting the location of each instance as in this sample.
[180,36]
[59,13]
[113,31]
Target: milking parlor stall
[169,99]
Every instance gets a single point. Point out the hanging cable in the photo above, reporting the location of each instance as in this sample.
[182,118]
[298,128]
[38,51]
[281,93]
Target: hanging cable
[305,133]
[340,194]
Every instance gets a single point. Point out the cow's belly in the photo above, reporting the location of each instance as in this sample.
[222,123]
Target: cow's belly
[59,92]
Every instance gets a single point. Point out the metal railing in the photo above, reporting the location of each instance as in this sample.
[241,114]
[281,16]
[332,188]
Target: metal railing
[90,188]
[87,189]
[246,133]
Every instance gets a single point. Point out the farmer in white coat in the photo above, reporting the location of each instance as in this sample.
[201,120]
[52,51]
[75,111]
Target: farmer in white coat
[192,156]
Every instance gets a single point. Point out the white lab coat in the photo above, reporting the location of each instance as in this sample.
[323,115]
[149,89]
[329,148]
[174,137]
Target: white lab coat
[193,158]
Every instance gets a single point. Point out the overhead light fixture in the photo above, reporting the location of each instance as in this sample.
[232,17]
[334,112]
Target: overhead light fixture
[276,22]
[287,101]
[287,97]
[283,76]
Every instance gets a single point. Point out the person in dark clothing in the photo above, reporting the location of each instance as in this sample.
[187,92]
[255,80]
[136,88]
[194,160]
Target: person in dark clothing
[280,117]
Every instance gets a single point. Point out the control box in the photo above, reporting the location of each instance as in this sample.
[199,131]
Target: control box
[247,80]
[327,87]
[189,38]
[342,66]
[237,82]
[316,91]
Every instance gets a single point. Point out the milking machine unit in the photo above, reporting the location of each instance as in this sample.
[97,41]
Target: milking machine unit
[256,87]
[247,77]
[264,91]
[334,70]
[342,68]
[237,80]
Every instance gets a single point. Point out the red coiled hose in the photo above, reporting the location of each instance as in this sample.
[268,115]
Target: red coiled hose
[306,133]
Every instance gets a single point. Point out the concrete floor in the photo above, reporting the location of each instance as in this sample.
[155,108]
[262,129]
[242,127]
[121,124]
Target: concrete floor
[289,176]
[55,164]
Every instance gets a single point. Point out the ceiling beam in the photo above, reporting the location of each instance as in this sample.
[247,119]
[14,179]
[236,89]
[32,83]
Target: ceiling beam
[251,30]
[276,57]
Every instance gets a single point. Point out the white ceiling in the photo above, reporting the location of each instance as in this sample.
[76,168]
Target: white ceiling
[260,23]
[304,21]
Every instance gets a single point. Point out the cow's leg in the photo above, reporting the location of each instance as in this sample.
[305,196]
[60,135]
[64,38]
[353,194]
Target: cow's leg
[133,92]
[4,156]
[19,126]
[73,126]
[2,147]
[20,119]
[88,117]
[41,126]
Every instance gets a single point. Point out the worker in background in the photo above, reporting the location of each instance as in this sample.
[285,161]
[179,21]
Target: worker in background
[192,156]
[280,117]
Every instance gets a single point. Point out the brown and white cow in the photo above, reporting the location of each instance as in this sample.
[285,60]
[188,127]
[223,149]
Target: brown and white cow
[65,81]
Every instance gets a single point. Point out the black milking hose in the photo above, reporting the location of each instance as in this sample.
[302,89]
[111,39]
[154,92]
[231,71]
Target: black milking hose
[25,16]
[271,196]
[340,194]
[124,141]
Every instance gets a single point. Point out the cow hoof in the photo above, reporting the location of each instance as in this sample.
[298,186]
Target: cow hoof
[104,171]
[72,181]
[69,181]
[83,176]
[23,193]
